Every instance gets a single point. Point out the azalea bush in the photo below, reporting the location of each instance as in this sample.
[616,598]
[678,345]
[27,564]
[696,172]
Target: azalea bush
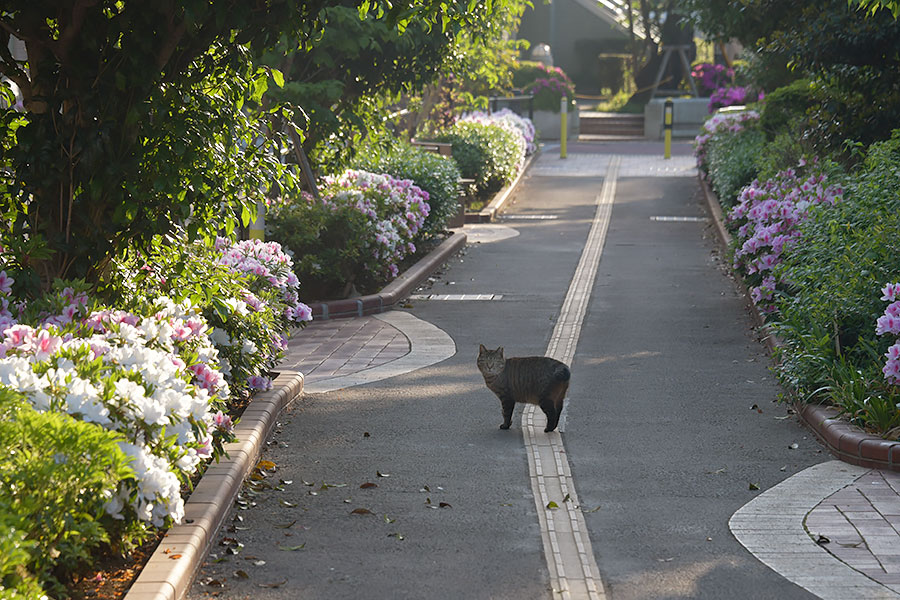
[246,292]
[732,95]
[829,307]
[548,86]
[726,151]
[434,174]
[709,77]
[355,236]
[510,120]
[766,223]
[489,153]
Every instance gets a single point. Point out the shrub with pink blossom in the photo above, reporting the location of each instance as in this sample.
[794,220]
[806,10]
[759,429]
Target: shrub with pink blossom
[152,378]
[356,236]
[721,125]
[733,95]
[510,120]
[247,292]
[765,221]
[709,77]
[889,324]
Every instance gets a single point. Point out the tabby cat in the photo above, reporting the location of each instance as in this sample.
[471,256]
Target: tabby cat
[537,380]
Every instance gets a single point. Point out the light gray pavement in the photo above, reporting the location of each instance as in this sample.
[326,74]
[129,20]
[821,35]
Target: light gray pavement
[670,419]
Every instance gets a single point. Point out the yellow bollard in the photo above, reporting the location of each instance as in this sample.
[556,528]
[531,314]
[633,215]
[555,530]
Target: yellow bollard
[668,110]
[563,129]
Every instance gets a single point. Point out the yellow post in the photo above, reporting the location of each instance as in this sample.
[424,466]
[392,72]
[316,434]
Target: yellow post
[257,229]
[563,129]
[668,110]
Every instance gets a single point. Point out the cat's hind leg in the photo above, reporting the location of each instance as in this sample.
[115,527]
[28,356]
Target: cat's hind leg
[548,405]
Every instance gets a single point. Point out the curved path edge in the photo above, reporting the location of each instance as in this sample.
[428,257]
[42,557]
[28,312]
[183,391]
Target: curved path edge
[842,439]
[428,345]
[772,527]
[174,564]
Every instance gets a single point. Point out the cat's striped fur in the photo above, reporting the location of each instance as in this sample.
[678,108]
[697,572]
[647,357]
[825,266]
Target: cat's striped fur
[537,380]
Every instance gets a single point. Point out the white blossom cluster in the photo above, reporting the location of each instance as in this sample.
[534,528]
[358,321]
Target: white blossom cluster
[128,373]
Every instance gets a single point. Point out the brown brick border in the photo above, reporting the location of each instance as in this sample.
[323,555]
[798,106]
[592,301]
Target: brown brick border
[844,440]
[396,290]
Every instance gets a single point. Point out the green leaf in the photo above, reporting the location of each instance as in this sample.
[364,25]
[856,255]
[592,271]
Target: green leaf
[277,76]
[552,504]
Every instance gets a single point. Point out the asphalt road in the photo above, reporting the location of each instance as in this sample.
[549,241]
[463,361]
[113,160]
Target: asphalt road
[660,433]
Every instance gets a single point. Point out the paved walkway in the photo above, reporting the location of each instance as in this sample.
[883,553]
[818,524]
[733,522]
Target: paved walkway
[832,528]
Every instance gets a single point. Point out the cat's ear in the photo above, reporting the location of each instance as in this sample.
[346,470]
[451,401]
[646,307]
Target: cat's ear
[500,350]
[481,349]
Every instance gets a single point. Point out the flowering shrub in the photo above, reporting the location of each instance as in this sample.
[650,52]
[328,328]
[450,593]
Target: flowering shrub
[766,221]
[511,121]
[709,77]
[489,153]
[56,473]
[722,123]
[356,235]
[732,95]
[435,174]
[246,291]
[549,91]
[889,324]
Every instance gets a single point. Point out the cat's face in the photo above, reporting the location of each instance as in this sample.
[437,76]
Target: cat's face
[490,361]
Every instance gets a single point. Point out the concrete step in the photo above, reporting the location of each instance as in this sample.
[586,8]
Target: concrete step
[611,124]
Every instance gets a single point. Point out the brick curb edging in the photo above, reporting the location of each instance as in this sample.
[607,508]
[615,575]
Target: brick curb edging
[395,291]
[489,212]
[169,573]
[844,440]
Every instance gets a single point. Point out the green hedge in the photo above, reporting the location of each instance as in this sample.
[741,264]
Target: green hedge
[437,175]
[489,154]
[731,161]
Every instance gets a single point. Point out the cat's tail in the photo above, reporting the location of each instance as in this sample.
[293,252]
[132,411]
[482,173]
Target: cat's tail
[562,373]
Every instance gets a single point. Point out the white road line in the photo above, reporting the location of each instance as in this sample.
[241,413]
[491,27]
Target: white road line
[567,546]
[771,527]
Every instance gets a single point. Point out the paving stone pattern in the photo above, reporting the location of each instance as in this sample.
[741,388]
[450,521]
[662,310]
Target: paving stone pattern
[861,523]
[326,349]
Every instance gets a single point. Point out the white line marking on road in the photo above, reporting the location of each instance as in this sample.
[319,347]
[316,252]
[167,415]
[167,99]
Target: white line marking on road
[458,297]
[567,546]
[679,219]
[771,527]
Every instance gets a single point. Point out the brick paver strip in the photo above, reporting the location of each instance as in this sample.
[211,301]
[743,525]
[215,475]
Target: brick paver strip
[171,569]
[780,527]
[426,346]
[844,440]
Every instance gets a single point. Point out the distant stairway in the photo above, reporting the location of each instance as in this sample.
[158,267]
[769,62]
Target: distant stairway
[610,124]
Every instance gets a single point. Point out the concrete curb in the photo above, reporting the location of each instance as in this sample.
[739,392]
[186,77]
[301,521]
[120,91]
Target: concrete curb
[844,440]
[169,573]
[395,291]
[489,213]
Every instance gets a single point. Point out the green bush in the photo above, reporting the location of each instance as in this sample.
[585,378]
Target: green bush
[731,161]
[849,252]
[489,154]
[437,175]
[329,244]
[56,474]
[548,85]
[786,109]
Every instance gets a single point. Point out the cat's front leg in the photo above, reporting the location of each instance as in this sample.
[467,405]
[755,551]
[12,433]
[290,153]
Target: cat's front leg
[508,404]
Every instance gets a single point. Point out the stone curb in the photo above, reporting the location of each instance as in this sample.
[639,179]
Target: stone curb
[395,291]
[844,440]
[489,213]
[174,564]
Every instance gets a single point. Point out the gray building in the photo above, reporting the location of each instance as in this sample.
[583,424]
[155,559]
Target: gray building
[579,33]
